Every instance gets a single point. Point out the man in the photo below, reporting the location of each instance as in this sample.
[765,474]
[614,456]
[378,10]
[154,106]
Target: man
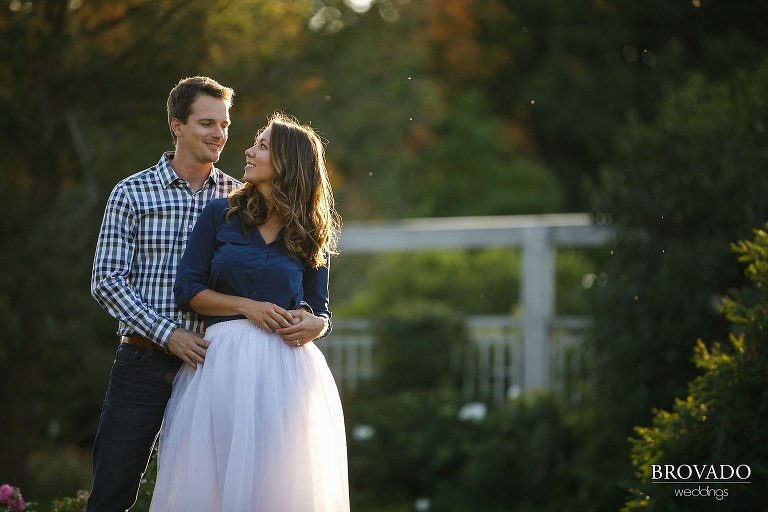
[147,222]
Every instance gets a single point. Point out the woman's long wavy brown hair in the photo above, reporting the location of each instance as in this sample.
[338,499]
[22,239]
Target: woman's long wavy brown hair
[301,193]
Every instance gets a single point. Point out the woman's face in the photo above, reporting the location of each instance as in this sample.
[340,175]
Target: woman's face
[259,170]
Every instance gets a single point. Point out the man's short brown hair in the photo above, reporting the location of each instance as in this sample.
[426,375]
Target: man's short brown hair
[184,94]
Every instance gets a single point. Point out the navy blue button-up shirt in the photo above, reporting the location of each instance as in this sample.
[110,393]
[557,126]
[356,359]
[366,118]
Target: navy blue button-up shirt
[219,257]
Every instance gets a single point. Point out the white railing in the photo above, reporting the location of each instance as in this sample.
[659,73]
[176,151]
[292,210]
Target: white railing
[495,365]
[349,352]
[538,237]
[494,369]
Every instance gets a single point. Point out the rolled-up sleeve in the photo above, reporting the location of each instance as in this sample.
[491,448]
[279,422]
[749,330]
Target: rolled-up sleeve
[112,281]
[195,266]
[316,292]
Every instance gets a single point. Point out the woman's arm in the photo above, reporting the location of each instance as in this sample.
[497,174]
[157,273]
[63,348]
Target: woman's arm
[313,318]
[195,265]
[266,315]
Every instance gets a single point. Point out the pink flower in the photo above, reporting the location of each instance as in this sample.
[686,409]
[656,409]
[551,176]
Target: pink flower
[11,498]
[6,491]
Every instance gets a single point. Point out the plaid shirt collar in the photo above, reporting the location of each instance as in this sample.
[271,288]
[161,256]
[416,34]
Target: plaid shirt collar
[168,176]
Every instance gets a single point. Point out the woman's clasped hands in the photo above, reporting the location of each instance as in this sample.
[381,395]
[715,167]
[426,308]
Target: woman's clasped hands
[297,327]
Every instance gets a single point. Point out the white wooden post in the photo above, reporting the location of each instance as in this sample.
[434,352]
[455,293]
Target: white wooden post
[538,300]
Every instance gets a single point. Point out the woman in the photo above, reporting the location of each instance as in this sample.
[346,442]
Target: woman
[259,426]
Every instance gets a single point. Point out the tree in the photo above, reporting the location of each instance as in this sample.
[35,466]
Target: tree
[681,187]
[538,88]
[575,70]
[404,141]
[724,418]
[71,73]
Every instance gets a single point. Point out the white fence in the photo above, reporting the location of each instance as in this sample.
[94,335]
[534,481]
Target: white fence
[537,236]
[493,370]
[349,352]
[498,362]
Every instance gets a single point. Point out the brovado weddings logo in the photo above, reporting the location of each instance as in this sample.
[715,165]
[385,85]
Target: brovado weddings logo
[695,479]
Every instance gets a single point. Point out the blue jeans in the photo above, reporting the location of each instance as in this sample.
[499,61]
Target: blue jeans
[139,389]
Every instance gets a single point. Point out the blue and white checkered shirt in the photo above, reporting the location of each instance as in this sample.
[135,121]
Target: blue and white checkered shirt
[146,225]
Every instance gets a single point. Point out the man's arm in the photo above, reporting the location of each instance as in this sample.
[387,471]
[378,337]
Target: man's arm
[111,284]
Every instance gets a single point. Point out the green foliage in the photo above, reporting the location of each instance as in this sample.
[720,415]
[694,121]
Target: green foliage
[482,282]
[577,277]
[415,444]
[430,108]
[409,410]
[681,188]
[147,486]
[373,109]
[76,504]
[69,70]
[575,70]
[471,147]
[56,471]
[722,420]
[421,346]
[412,436]
[517,459]
[401,145]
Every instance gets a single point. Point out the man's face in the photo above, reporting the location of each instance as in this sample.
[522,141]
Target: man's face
[203,137]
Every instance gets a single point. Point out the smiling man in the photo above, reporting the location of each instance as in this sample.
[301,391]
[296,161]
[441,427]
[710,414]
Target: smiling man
[147,222]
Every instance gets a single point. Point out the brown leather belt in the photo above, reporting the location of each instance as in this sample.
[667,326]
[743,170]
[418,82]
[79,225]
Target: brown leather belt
[140,341]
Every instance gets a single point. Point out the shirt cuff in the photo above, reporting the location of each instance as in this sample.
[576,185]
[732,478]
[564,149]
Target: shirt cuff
[302,303]
[330,326]
[162,330]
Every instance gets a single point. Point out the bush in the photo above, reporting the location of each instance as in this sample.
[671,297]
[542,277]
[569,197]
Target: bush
[681,189]
[724,418]
[76,504]
[515,459]
[415,443]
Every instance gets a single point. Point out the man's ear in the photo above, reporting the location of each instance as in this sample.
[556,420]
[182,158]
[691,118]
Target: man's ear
[176,126]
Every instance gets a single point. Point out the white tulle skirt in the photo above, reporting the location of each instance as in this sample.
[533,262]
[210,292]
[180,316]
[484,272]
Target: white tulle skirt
[258,427]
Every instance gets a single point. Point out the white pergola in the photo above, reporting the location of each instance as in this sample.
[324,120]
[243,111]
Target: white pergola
[537,236]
